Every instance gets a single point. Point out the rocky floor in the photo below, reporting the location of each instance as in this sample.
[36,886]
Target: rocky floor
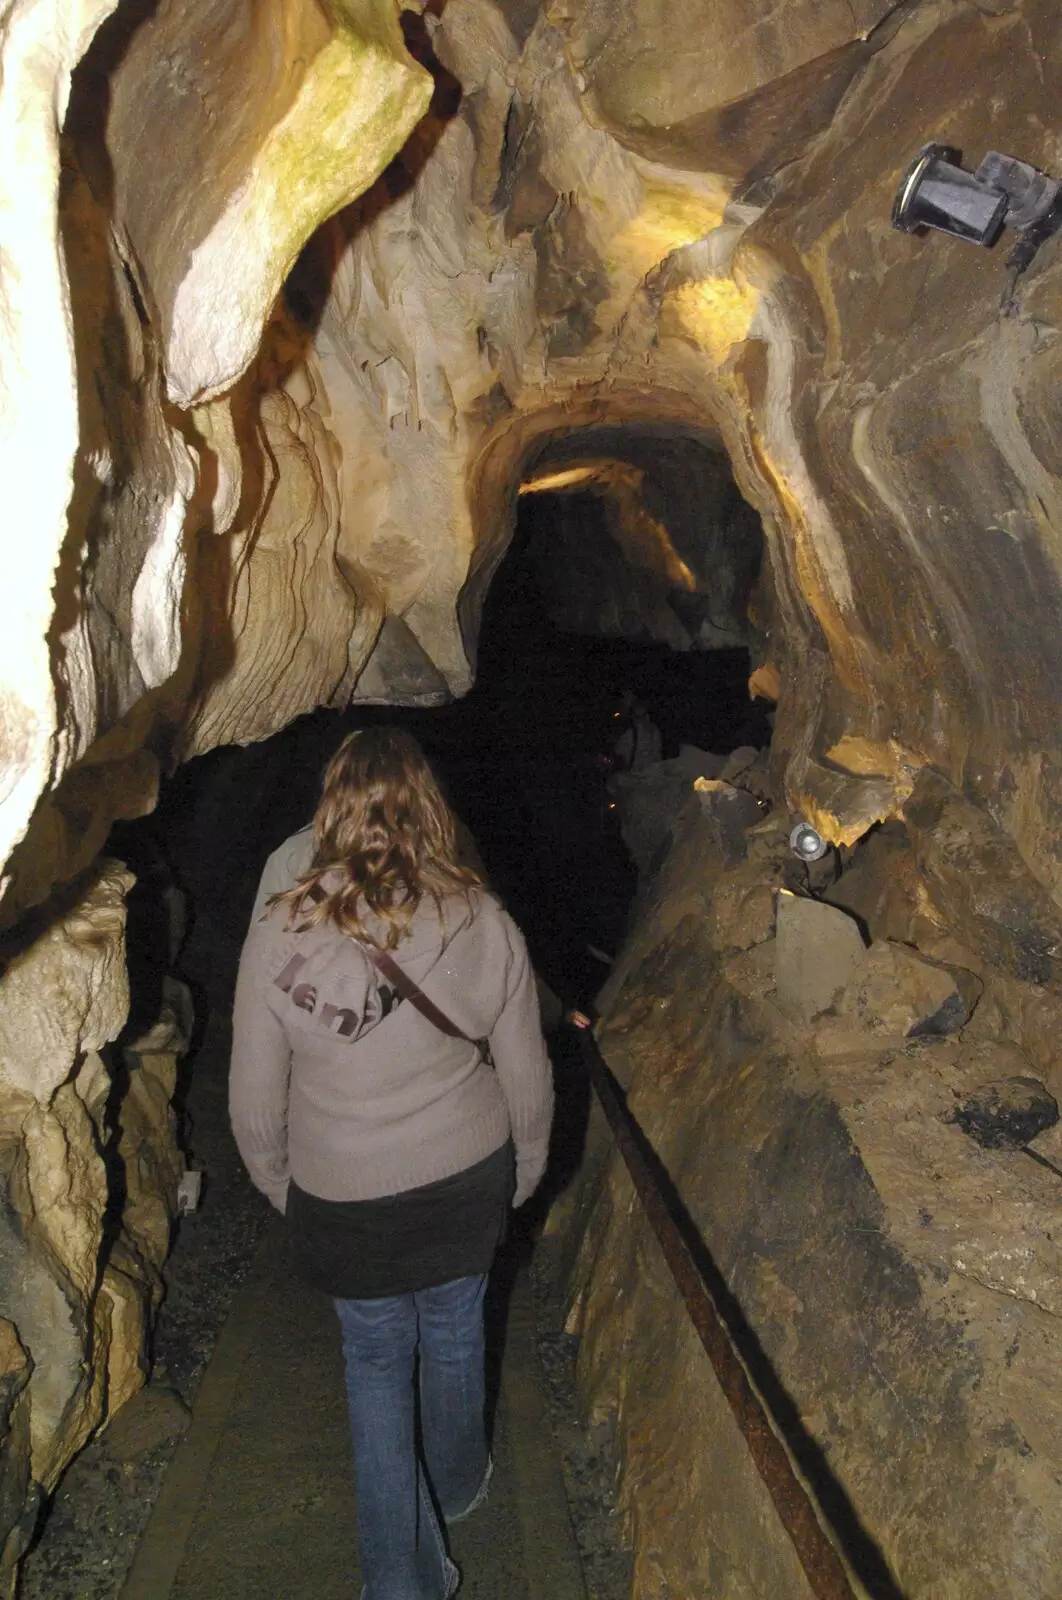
[587,1454]
[88,1539]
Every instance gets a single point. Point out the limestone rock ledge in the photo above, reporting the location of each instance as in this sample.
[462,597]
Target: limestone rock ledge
[89,1165]
[901,1280]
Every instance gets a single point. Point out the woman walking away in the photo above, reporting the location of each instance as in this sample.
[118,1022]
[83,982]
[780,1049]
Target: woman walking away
[390,1092]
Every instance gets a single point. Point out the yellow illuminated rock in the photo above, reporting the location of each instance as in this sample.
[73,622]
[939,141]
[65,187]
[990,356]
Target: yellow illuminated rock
[717,313]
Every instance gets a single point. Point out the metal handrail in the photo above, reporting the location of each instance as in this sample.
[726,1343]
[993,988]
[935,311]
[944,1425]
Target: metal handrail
[826,1573]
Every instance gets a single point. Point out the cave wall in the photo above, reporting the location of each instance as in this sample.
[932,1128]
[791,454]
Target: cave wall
[227,504]
[150,206]
[90,1167]
[900,1278]
[541,275]
[119,343]
[911,437]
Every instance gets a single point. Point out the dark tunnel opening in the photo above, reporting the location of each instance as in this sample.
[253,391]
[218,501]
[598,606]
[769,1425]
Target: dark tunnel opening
[529,757]
[529,761]
[579,623]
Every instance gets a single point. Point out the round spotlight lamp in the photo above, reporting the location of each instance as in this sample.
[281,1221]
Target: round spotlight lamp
[936,193]
[806,843]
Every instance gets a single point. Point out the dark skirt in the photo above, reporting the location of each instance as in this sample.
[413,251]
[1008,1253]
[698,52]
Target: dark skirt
[368,1249]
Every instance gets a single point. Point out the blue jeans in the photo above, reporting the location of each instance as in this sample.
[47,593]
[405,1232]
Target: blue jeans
[403,1556]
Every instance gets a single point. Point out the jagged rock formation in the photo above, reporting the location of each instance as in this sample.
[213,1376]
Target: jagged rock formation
[226,504]
[522,274]
[912,1325]
[79,1273]
[109,320]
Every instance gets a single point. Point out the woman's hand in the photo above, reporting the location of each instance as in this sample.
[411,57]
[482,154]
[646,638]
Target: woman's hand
[578,1019]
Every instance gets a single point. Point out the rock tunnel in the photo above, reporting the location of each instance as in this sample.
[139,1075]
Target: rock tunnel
[316,317]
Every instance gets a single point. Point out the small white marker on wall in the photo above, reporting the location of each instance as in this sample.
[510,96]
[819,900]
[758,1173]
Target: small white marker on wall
[189,1190]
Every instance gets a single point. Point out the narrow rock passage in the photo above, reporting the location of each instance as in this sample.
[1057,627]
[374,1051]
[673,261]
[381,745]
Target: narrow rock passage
[256,1498]
[258,1501]
[463,361]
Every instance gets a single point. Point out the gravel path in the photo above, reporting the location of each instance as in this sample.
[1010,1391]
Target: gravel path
[587,1456]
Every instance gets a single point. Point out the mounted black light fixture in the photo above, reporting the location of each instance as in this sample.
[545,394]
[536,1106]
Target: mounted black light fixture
[935,192]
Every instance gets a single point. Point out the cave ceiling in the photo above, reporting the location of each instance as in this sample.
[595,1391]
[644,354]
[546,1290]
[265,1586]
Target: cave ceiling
[296,296]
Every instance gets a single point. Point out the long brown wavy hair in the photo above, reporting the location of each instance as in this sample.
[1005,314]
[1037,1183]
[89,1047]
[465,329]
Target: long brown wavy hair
[383,822]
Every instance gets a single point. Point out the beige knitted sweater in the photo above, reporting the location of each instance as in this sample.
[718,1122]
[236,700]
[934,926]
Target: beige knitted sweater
[337,1083]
